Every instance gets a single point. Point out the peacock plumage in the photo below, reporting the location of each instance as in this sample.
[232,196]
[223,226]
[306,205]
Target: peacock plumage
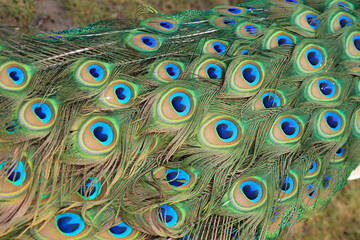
[232,123]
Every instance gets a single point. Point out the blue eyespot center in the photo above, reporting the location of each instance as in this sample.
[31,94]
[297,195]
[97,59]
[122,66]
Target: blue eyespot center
[333,120]
[91,189]
[219,47]
[251,74]
[226,130]
[167,25]
[16,74]
[314,57]
[326,181]
[180,103]
[228,21]
[313,167]
[167,215]
[283,40]
[252,190]
[270,100]
[250,29]
[42,111]
[102,132]
[311,190]
[327,88]
[15,172]
[345,21]
[356,41]
[340,152]
[177,177]
[291,1]
[290,127]
[313,21]
[234,10]
[123,93]
[96,71]
[213,71]
[121,230]
[149,41]
[70,224]
[172,70]
[288,185]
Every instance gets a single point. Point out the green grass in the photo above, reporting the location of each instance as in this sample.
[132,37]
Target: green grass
[340,220]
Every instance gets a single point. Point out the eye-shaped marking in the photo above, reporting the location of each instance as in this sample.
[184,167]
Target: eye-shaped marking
[209,69]
[121,230]
[352,44]
[220,132]
[177,178]
[280,39]
[119,93]
[162,25]
[314,169]
[167,70]
[324,89]
[217,47]
[309,194]
[70,224]
[37,114]
[168,215]
[339,156]
[308,21]
[286,129]
[269,99]
[231,10]
[176,106]
[244,50]
[356,123]
[14,76]
[330,123]
[248,194]
[245,75]
[288,186]
[14,172]
[326,181]
[97,136]
[341,20]
[91,189]
[224,22]
[344,5]
[311,59]
[247,30]
[92,73]
[144,42]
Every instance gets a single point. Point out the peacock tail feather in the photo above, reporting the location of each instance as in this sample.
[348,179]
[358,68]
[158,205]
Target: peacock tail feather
[231,123]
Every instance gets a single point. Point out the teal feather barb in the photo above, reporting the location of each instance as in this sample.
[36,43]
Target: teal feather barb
[232,123]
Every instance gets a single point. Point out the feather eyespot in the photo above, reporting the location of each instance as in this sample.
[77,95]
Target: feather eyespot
[314,169]
[326,181]
[177,178]
[231,10]
[14,178]
[92,73]
[217,47]
[280,39]
[341,20]
[37,114]
[287,129]
[176,106]
[14,76]
[144,42]
[119,231]
[92,189]
[248,30]
[162,25]
[352,45]
[248,194]
[308,21]
[166,71]
[269,99]
[119,93]
[330,123]
[169,215]
[345,5]
[245,76]
[311,59]
[288,186]
[220,132]
[224,22]
[340,155]
[324,89]
[97,136]
[327,185]
[309,194]
[210,69]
